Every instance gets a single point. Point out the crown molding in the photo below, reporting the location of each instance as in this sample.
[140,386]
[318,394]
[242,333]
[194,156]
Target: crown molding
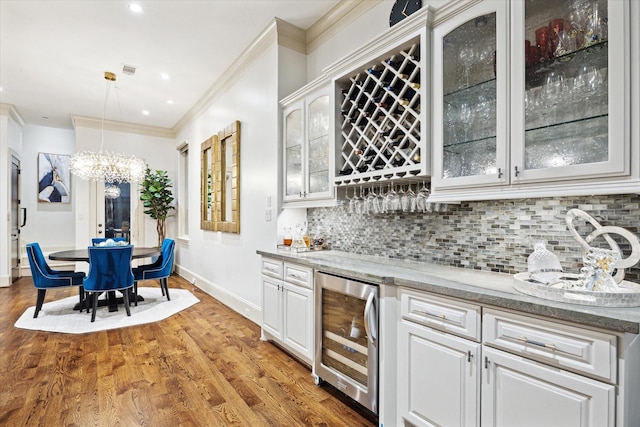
[336,19]
[291,36]
[93,123]
[10,111]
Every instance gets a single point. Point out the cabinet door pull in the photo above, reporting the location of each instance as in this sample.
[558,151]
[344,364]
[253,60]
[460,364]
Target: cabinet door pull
[500,173]
[469,356]
[486,362]
[426,313]
[538,343]
[515,169]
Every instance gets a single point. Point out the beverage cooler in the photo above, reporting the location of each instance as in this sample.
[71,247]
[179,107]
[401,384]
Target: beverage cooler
[347,337]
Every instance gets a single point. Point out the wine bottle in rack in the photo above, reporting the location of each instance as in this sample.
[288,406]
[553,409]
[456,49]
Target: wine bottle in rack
[374,72]
[414,85]
[393,64]
[345,170]
[404,102]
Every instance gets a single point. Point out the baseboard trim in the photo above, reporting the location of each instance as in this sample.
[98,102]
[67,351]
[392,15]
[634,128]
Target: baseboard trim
[240,305]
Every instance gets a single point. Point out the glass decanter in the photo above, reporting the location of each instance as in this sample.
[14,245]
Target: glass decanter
[543,265]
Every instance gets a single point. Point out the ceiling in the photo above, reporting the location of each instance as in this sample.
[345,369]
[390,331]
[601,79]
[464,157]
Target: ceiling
[53,54]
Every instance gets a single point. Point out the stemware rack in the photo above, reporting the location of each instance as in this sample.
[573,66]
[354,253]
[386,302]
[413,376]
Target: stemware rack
[380,120]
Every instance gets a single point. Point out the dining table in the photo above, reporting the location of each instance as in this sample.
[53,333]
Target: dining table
[82,254]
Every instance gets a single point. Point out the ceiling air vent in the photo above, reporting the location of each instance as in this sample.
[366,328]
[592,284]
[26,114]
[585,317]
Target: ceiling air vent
[129,69]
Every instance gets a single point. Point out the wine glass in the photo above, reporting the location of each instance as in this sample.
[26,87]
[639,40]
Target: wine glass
[353,201]
[381,200]
[554,92]
[408,200]
[392,200]
[467,57]
[421,198]
[465,116]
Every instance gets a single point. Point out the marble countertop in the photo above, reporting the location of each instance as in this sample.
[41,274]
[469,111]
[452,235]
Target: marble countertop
[495,289]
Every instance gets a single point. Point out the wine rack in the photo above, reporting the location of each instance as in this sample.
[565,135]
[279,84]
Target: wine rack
[380,120]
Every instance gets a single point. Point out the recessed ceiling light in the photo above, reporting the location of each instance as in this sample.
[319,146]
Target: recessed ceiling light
[145,112]
[135,8]
[164,76]
[169,101]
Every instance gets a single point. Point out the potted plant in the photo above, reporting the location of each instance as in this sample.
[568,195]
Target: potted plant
[157,199]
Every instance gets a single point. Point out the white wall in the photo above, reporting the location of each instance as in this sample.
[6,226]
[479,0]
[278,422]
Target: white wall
[49,224]
[359,32]
[224,264]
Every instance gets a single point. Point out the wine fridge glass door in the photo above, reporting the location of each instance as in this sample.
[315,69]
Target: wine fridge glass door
[347,336]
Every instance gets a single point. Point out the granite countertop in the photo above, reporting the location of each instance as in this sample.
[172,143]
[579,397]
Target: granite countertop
[495,289]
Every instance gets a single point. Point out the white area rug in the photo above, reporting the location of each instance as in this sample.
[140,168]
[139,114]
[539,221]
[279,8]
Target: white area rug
[59,316]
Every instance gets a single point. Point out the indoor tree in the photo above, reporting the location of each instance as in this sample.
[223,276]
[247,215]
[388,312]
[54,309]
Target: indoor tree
[157,198]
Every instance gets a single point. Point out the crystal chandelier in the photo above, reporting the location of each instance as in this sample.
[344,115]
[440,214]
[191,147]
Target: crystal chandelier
[104,165]
[111,192]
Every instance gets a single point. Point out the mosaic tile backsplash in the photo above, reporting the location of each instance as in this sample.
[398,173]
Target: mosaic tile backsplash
[494,235]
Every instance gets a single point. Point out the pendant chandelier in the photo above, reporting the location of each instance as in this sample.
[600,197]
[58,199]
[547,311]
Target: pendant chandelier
[104,165]
[111,192]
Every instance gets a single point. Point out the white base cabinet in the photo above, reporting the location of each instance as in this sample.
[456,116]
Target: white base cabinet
[462,364]
[287,307]
[521,392]
[438,372]
[441,376]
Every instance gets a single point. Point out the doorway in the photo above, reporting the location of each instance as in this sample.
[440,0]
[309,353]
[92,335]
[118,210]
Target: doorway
[15,218]
[117,211]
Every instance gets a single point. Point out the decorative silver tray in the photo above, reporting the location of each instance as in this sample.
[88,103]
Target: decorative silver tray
[629,295]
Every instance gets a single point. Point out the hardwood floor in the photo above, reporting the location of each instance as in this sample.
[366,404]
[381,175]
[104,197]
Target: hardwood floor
[204,366]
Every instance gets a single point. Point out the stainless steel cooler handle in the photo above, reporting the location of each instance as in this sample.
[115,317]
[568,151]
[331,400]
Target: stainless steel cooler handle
[371,331]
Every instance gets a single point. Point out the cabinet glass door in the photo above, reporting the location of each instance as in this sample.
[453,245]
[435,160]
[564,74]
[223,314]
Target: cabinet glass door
[470,143]
[318,136]
[293,153]
[563,90]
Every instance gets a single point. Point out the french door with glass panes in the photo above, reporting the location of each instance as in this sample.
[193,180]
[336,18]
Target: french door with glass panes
[115,211]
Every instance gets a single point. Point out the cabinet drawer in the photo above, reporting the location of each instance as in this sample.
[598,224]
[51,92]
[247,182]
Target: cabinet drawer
[450,315]
[272,268]
[568,347]
[302,276]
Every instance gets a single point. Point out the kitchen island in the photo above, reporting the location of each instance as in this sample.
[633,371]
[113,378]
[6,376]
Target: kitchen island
[589,354]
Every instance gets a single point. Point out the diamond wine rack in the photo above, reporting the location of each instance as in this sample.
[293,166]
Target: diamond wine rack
[381,121]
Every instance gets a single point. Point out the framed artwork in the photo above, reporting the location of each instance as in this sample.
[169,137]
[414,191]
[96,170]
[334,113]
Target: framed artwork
[54,178]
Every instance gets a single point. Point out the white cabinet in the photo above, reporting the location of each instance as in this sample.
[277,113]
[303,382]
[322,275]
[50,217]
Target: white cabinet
[526,105]
[460,364]
[307,145]
[520,392]
[287,307]
[438,373]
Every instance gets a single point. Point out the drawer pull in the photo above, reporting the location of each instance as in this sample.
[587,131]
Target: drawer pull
[298,276]
[273,269]
[538,343]
[426,313]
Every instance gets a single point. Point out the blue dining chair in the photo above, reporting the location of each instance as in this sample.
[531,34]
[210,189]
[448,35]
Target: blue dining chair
[160,269]
[44,277]
[97,240]
[109,270]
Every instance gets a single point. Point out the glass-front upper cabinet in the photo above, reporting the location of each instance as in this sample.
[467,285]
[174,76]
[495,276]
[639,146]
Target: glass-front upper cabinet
[307,147]
[293,137]
[569,105]
[470,97]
